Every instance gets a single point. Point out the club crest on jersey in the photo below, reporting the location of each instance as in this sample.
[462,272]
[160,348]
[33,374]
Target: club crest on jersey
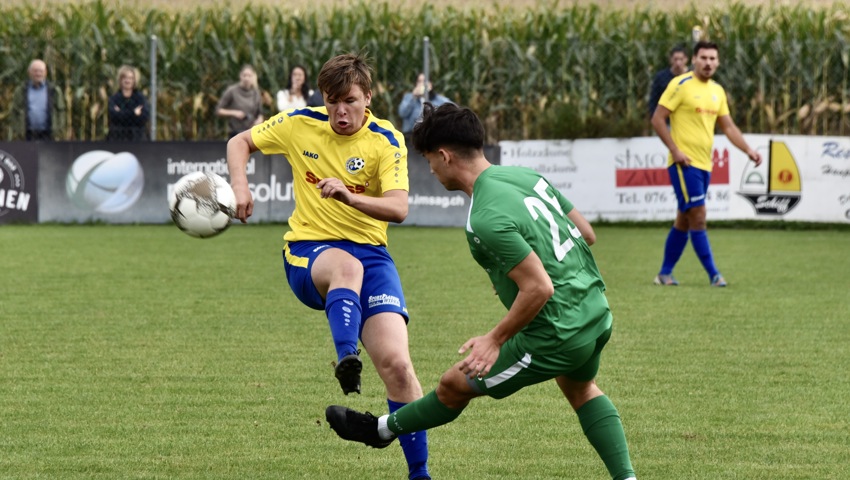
[354,165]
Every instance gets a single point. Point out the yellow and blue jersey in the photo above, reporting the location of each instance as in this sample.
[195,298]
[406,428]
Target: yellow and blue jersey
[370,162]
[695,106]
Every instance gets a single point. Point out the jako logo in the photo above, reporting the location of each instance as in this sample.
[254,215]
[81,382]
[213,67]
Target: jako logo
[105,182]
[314,156]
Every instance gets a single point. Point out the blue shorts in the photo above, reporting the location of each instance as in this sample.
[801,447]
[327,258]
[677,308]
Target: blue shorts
[690,185]
[381,290]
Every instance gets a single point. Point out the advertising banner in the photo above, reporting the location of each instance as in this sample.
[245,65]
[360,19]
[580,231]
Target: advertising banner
[800,179]
[130,182]
[429,202]
[18,183]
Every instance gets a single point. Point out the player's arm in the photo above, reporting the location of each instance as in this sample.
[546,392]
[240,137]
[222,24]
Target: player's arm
[733,133]
[535,289]
[239,150]
[392,207]
[583,226]
[659,124]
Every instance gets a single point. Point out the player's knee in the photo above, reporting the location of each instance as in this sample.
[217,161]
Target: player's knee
[453,391]
[397,373]
[350,268]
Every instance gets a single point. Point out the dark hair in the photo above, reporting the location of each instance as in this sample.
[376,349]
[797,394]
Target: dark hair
[704,45]
[678,49]
[448,126]
[305,87]
[342,72]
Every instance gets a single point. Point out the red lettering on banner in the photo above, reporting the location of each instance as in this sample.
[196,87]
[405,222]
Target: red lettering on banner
[643,177]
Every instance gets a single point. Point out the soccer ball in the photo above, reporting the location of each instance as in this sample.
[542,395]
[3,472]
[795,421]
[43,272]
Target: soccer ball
[202,204]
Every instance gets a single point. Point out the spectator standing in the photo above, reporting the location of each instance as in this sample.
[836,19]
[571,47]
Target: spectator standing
[128,109]
[410,108]
[694,104]
[678,58]
[297,91]
[38,107]
[242,103]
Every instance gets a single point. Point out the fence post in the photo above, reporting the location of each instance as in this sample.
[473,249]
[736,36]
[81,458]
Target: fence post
[153,88]
[426,54]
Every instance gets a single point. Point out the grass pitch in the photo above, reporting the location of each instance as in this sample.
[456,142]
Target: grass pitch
[136,352]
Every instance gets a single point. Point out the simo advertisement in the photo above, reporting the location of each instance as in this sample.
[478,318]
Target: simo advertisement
[800,178]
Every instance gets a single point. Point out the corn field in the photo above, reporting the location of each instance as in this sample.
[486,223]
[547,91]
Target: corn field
[549,71]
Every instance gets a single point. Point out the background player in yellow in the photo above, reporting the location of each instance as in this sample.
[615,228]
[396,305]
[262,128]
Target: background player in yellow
[350,179]
[694,103]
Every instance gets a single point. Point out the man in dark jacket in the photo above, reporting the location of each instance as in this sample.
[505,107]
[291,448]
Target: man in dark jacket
[38,107]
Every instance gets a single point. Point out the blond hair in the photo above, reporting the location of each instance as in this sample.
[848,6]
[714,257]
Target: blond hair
[123,70]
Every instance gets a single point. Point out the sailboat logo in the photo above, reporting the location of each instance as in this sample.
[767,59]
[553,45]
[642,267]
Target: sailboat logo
[773,187]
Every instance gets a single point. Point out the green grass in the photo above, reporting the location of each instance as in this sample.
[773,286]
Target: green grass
[135,352]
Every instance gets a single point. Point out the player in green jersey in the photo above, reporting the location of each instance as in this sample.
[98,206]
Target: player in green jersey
[534,246]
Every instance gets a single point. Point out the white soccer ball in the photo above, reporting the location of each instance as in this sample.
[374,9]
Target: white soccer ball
[202,204]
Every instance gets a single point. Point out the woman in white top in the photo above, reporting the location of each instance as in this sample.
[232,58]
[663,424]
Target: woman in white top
[297,90]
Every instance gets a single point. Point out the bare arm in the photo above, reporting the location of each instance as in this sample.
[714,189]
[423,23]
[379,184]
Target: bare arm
[392,207]
[239,149]
[583,226]
[535,289]
[733,133]
[659,124]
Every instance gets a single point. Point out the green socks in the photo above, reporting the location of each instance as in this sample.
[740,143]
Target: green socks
[427,412]
[602,427]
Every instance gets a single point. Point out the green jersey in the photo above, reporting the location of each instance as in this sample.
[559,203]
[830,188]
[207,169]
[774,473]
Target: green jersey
[515,211]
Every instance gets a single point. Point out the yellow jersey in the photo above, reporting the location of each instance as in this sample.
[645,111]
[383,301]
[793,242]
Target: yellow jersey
[694,106]
[370,162]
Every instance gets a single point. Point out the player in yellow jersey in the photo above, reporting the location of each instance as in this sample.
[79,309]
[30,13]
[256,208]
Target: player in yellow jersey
[694,103]
[350,178]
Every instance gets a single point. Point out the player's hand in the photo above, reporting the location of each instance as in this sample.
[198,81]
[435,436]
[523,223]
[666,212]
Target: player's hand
[244,202]
[754,156]
[334,188]
[680,158]
[485,352]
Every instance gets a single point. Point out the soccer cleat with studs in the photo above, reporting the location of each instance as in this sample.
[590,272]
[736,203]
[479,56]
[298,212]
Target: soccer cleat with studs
[347,371]
[355,426]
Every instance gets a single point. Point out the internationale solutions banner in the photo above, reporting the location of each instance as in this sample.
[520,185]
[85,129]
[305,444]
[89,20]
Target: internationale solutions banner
[81,182]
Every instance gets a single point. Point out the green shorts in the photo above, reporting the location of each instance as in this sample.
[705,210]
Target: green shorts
[516,369]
